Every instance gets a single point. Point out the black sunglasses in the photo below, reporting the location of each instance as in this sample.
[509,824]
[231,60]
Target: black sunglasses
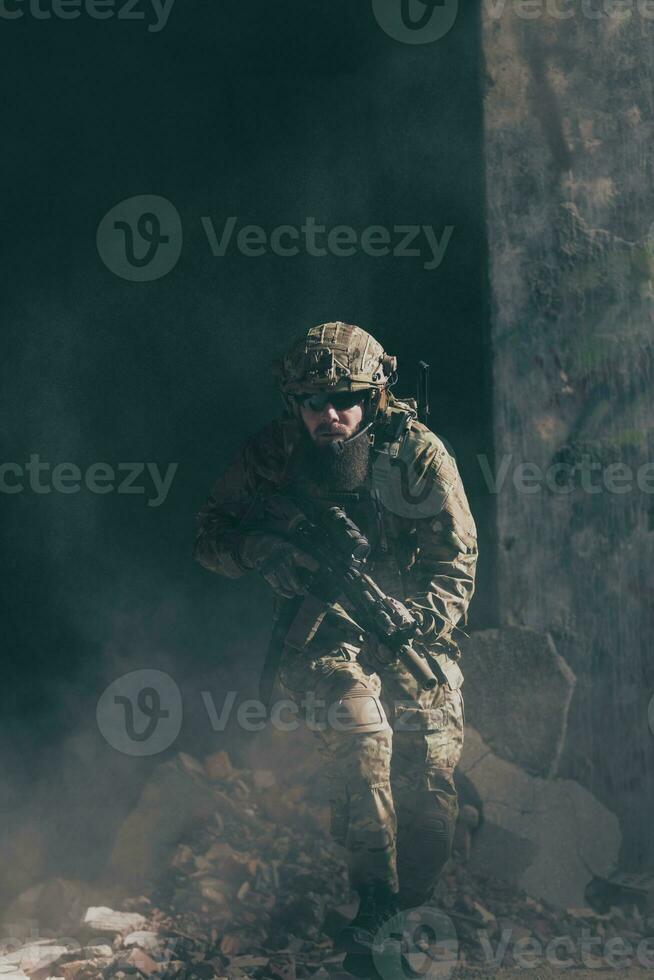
[341,400]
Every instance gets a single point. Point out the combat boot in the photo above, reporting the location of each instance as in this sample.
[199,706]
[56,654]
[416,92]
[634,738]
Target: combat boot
[378,904]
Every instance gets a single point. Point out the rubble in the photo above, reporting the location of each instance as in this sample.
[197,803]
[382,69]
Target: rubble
[176,796]
[33,957]
[543,835]
[143,939]
[218,766]
[245,893]
[83,969]
[104,920]
[56,902]
[622,889]
[518,689]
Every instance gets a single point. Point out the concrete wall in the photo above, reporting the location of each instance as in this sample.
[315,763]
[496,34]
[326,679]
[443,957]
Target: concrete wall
[569,144]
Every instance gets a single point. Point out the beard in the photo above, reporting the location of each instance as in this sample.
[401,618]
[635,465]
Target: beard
[341,467]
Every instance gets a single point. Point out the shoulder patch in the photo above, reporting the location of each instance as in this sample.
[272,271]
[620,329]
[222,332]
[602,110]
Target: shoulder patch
[416,482]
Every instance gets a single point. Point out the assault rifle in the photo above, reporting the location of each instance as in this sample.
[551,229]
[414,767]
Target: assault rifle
[341,551]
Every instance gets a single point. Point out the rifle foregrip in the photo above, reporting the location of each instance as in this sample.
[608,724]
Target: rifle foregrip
[419,667]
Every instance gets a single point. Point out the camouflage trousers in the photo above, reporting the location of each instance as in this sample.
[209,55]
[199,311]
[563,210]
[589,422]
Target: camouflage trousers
[391,770]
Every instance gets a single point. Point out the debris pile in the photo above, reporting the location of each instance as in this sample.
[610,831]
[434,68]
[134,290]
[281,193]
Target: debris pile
[501,928]
[247,888]
[255,888]
[258,879]
[544,833]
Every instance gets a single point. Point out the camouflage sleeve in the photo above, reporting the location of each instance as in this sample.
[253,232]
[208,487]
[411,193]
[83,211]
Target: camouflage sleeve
[258,467]
[442,579]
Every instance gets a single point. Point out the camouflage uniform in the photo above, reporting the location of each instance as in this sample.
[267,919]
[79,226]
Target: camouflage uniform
[394,804]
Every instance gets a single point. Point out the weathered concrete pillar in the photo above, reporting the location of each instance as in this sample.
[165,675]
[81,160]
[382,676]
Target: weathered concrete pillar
[570,154]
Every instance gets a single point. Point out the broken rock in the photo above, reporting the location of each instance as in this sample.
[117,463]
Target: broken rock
[218,766]
[518,691]
[32,957]
[104,920]
[264,778]
[83,969]
[143,939]
[143,963]
[555,826]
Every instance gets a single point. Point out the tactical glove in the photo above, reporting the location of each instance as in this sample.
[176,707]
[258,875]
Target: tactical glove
[373,651]
[286,570]
[431,627]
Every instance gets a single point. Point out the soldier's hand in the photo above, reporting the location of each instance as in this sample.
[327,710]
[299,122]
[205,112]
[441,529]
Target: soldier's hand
[373,651]
[287,571]
[402,613]
[374,654]
[430,626]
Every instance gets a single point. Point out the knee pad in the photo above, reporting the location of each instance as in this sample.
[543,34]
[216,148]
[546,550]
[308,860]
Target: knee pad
[358,711]
[354,708]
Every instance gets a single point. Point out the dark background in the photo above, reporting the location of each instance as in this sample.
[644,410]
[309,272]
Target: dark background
[272,112]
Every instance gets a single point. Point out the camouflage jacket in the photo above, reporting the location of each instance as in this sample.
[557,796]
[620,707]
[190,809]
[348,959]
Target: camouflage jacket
[414,511]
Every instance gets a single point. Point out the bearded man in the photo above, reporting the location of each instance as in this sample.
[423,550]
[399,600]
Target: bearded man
[345,440]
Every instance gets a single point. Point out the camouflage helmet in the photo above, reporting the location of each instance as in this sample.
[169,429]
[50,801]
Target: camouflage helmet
[335,357]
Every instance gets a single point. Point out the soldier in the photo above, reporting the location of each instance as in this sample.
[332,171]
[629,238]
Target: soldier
[345,439]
